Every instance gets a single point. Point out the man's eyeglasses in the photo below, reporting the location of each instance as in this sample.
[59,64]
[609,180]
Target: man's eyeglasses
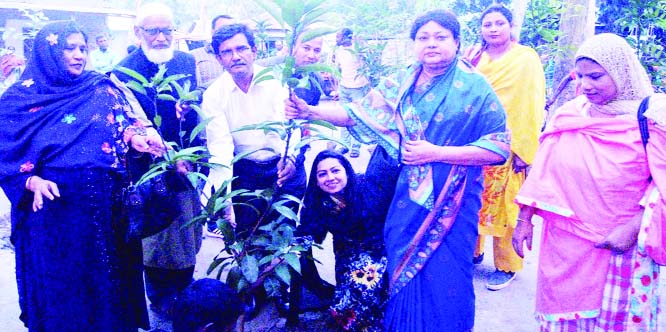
[156,31]
[240,50]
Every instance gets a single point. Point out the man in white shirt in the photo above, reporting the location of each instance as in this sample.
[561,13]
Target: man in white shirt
[103,59]
[235,100]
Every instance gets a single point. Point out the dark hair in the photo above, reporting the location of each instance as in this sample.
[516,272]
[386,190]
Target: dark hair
[218,17]
[497,8]
[71,27]
[445,18]
[229,31]
[206,301]
[347,33]
[314,194]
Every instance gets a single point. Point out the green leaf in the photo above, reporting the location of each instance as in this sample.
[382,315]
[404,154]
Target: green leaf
[266,72]
[293,261]
[316,33]
[189,151]
[149,175]
[157,121]
[312,5]
[282,271]
[322,123]
[289,198]
[171,81]
[159,76]
[163,96]
[315,68]
[134,74]
[272,287]
[237,246]
[250,268]
[242,285]
[273,10]
[218,262]
[266,126]
[266,259]
[227,231]
[136,86]
[194,178]
[199,128]
[287,212]
[292,11]
[268,227]
[292,82]
[262,242]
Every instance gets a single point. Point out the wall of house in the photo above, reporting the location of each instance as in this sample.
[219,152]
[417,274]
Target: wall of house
[118,27]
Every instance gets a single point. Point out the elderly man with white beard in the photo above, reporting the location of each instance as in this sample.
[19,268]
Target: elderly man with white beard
[169,256]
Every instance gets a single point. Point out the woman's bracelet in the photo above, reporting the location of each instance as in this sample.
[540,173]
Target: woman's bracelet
[308,112]
[27,182]
[525,220]
[130,132]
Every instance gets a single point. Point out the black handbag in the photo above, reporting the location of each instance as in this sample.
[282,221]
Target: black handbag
[150,207]
[153,205]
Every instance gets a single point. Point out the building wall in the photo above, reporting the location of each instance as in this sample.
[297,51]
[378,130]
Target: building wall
[119,28]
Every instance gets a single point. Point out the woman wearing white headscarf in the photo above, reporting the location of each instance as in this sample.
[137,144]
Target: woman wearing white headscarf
[590,182]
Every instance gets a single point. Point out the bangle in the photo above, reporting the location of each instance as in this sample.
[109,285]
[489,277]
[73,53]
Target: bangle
[27,182]
[308,112]
[130,132]
[525,220]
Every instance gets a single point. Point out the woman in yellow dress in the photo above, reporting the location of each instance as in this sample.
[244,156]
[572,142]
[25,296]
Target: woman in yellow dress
[516,74]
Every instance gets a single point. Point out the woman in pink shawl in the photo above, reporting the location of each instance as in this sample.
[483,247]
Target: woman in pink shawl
[597,189]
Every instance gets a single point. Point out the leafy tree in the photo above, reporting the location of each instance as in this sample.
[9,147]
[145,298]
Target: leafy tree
[643,23]
[261,37]
[541,26]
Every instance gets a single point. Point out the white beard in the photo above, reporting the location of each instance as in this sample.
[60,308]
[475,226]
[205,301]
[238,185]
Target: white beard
[158,56]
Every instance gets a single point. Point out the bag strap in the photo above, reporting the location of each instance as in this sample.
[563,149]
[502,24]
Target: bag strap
[642,124]
[642,121]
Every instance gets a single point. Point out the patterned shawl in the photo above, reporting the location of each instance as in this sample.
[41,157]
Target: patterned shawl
[617,57]
[53,119]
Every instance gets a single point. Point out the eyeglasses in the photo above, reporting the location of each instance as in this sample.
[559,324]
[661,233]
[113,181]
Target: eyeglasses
[240,50]
[156,31]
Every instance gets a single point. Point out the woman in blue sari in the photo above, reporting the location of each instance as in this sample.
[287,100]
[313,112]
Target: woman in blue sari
[441,122]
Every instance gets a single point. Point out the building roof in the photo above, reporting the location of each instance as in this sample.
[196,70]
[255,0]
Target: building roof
[59,6]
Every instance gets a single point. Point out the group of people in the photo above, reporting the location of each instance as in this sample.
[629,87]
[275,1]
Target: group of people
[455,136]
[463,139]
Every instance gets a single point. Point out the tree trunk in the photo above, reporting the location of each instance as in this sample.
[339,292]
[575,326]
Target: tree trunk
[575,27]
[519,9]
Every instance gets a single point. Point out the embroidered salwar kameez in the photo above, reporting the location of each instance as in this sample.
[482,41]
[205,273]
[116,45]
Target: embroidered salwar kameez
[518,80]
